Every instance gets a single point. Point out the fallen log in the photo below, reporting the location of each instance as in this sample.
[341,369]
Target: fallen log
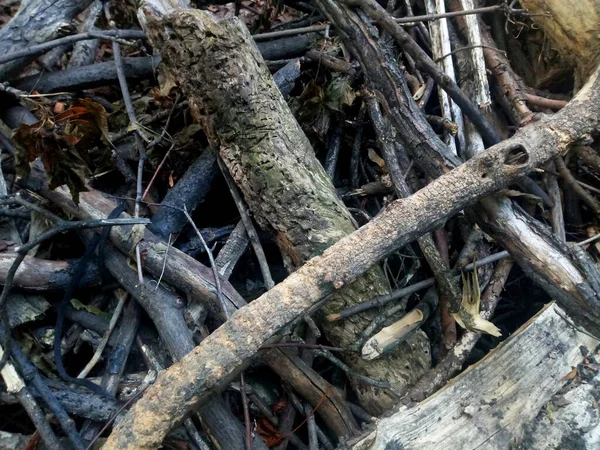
[249,124]
[193,380]
[35,23]
[491,403]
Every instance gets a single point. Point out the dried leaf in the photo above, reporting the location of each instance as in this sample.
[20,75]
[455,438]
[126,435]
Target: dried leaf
[89,308]
[270,435]
[63,142]
[339,93]
[373,156]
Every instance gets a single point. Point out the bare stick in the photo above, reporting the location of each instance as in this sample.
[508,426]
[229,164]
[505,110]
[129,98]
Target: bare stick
[252,234]
[440,45]
[15,384]
[139,143]
[34,50]
[121,296]
[212,263]
[400,20]
[568,178]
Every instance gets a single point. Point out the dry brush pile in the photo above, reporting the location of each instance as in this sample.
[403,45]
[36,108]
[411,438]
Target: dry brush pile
[287,224]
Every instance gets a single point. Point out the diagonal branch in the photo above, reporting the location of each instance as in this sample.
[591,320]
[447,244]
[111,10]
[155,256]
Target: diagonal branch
[218,359]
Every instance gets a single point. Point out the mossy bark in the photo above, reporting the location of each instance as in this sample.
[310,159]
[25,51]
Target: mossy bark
[234,97]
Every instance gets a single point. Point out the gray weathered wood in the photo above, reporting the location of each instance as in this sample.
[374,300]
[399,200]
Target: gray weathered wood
[36,22]
[490,405]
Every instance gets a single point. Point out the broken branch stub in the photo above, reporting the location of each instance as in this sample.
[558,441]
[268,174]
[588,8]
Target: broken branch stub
[212,364]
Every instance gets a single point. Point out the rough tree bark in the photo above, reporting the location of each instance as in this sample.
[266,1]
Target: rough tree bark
[35,22]
[212,365]
[233,96]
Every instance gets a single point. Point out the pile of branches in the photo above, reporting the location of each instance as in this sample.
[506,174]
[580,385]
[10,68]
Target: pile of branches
[267,223]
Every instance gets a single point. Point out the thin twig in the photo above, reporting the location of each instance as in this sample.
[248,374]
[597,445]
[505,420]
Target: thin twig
[213,265]
[221,298]
[157,171]
[31,374]
[409,21]
[15,384]
[247,421]
[469,47]
[252,234]
[111,420]
[42,48]
[162,272]
[421,285]
[351,373]
[139,143]
[303,345]
[569,179]
[121,296]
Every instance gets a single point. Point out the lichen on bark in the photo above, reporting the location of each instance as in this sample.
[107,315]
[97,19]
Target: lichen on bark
[249,124]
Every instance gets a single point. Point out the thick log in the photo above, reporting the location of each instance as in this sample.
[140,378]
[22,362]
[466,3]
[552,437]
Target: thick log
[213,363]
[35,23]
[233,96]
[572,27]
[490,404]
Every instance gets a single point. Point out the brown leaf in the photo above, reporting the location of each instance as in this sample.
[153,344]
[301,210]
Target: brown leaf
[269,434]
[62,142]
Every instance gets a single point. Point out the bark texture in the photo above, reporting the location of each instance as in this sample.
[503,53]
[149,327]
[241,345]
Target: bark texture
[212,364]
[36,22]
[234,97]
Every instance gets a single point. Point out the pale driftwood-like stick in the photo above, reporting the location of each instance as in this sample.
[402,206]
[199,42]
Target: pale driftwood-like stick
[192,381]
[392,335]
[482,89]
[489,405]
[440,46]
